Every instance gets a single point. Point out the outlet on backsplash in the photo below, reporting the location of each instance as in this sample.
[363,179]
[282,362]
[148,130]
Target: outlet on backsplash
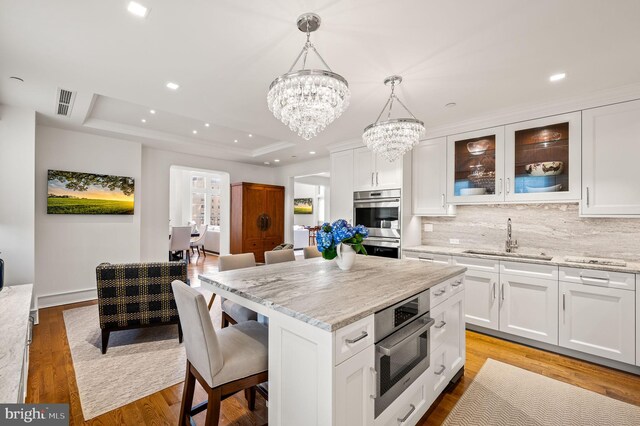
[454,241]
[427,227]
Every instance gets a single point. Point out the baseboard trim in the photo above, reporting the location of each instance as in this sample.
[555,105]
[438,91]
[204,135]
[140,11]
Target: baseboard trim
[67,297]
[629,368]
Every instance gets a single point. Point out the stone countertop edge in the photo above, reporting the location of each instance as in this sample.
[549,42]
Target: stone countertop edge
[15,306]
[340,320]
[631,268]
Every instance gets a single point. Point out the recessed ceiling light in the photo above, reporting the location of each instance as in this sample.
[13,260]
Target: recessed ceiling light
[276,160]
[267,163]
[250,135]
[206,124]
[312,152]
[152,111]
[173,86]
[450,105]
[195,132]
[144,120]
[557,77]
[235,141]
[137,9]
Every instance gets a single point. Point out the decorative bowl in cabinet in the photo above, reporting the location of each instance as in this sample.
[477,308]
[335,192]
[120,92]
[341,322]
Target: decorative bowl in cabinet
[546,136]
[547,168]
[478,147]
[473,191]
[553,188]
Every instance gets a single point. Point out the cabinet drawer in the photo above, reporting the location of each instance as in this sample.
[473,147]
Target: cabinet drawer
[437,378]
[408,408]
[440,259]
[595,277]
[438,334]
[252,245]
[532,270]
[353,338]
[477,264]
[439,293]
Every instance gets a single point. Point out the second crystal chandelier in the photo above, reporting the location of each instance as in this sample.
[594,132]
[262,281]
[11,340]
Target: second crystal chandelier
[393,137]
[307,100]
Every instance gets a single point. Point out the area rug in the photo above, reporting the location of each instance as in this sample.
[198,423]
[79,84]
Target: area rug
[137,363]
[505,395]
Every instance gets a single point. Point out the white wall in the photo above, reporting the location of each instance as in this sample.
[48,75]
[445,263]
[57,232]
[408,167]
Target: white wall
[303,190]
[17,148]
[156,165]
[69,247]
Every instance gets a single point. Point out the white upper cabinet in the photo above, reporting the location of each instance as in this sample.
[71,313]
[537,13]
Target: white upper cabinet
[429,178]
[610,155]
[542,159]
[342,175]
[373,172]
[476,167]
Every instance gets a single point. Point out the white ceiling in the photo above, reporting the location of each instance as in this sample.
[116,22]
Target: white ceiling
[484,55]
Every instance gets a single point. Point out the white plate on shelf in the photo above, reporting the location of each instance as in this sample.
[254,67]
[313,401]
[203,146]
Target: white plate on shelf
[553,188]
[473,191]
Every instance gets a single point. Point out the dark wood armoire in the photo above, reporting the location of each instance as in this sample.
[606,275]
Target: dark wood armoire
[257,218]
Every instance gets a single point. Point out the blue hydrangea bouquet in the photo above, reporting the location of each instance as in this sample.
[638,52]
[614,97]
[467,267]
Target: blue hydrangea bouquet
[331,235]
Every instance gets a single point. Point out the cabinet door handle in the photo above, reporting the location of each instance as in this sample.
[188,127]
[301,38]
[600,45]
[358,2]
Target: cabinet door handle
[494,290]
[443,200]
[30,334]
[500,187]
[426,259]
[440,292]
[377,179]
[457,283]
[440,370]
[502,291]
[374,383]
[596,279]
[564,302]
[508,185]
[441,324]
[587,196]
[411,410]
[357,339]
[371,178]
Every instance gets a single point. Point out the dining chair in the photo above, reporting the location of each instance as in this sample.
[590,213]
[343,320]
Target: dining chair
[311,252]
[279,256]
[233,313]
[198,242]
[180,242]
[224,362]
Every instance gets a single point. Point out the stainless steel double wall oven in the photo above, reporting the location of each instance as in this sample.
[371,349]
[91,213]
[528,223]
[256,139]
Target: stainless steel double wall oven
[380,212]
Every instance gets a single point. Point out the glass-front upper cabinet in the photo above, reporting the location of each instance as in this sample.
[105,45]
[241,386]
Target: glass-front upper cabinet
[542,159]
[475,167]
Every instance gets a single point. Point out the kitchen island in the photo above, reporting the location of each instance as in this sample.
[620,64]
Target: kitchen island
[321,333]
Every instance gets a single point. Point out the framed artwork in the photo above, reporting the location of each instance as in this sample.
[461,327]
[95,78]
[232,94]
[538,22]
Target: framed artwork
[303,206]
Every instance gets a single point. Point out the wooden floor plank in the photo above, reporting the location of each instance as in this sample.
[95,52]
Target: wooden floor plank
[52,377]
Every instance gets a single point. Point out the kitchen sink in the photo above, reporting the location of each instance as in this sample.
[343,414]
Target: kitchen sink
[512,255]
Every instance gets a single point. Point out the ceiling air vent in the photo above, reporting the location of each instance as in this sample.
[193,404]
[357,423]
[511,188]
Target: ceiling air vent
[65,102]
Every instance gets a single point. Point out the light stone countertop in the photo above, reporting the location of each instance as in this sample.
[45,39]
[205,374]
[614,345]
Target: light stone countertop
[317,292]
[15,306]
[632,267]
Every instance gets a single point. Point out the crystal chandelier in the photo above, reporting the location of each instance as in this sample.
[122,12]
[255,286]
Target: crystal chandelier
[392,138]
[307,100]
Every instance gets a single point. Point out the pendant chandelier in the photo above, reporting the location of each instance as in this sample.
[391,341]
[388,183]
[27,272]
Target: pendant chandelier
[393,137]
[307,100]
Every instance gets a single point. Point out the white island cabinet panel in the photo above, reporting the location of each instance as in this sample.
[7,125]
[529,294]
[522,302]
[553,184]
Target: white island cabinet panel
[610,152]
[529,307]
[341,203]
[637,322]
[598,320]
[355,387]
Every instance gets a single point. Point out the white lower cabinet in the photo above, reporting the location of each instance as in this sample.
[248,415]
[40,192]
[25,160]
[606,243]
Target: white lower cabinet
[354,387]
[598,320]
[482,306]
[637,322]
[528,307]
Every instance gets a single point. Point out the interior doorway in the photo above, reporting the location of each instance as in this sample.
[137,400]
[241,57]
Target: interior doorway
[201,199]
[311,198]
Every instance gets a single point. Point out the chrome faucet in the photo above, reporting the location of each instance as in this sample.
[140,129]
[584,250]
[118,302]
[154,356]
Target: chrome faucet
[510,246]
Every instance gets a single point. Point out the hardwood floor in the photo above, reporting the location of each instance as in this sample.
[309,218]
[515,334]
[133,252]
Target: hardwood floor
[52,378]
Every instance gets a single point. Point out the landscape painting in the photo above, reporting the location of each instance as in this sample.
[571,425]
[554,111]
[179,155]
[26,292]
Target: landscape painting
[303,206]
[88,193]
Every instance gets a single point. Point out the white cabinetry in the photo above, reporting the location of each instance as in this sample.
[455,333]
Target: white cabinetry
[598,319]
[373,172]
[481,286]
[355,385]
[440,259]
[429,178]
[342,175]
[638,322]
[610,152]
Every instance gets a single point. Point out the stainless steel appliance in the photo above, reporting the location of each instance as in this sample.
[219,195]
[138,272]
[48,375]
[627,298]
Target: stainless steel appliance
[380,212]
[401,334]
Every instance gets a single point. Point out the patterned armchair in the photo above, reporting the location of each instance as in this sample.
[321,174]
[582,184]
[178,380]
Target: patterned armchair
[134,295]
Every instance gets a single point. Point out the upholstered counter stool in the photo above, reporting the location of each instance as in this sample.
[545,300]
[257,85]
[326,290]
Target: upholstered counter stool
[223,362]
[311,252]
[232,313]
[279,256]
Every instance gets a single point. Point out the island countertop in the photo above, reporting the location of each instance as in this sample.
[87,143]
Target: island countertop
[317,292]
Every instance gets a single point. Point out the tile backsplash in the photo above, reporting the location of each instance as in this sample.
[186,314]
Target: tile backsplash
[553,229]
